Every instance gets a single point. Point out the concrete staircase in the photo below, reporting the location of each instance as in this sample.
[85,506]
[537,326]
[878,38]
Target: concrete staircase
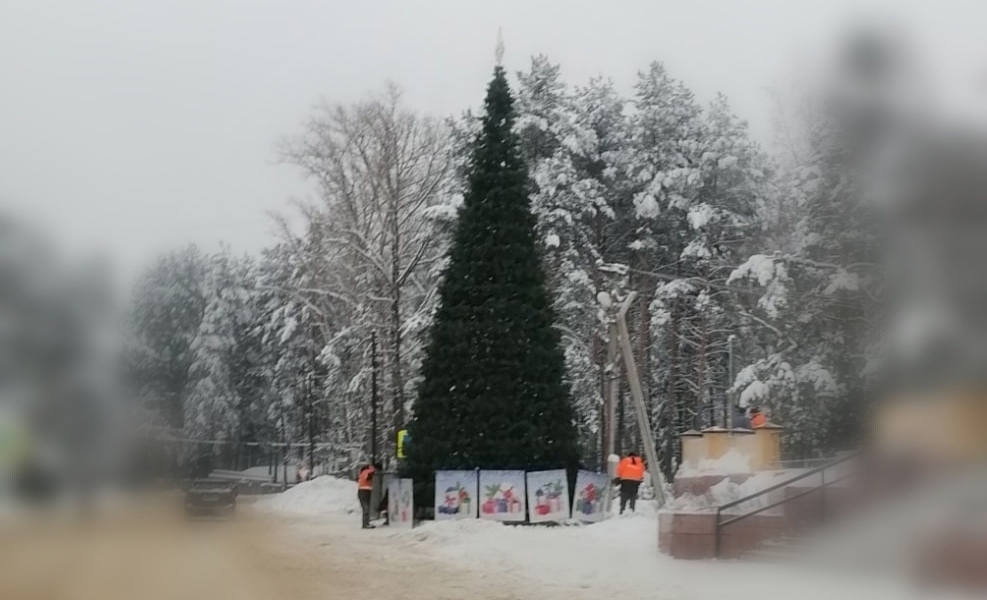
[931,531]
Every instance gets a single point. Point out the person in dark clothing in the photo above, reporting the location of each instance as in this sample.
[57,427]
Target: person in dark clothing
[630,474]
[365,489]
[740,420]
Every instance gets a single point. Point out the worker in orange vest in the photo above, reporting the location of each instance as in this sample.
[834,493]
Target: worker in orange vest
[757,417]
[365,488]
[630,474]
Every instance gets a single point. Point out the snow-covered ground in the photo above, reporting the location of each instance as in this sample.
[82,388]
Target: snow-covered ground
[732,462]
[728,491]
[321,496]
[262,471]
[617,558]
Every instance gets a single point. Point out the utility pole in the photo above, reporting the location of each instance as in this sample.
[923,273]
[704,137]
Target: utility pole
[373,397]
[634,382]
[613,391]
[611,383]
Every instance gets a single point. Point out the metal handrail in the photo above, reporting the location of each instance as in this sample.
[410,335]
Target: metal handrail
[804,463]
[789,482]
[773,488]
[778,503]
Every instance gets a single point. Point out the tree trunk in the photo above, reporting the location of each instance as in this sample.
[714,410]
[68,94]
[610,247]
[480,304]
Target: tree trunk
[677,417]
[701,369]
[620,442]
[397,380]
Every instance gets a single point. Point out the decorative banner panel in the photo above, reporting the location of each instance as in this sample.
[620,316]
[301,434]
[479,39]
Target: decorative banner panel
[502,495]
[591,498]
[548,496]
[455,495]
[401,502]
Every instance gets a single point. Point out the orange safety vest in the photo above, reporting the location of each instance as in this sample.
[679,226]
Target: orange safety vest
[631,468]
[758,419]
[366,479]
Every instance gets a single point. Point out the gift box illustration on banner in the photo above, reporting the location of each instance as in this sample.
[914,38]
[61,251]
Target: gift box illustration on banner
[457,500]
[500,499]
[548,498]
[589,500]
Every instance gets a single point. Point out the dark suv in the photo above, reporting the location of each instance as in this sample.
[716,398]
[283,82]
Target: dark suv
[210,498]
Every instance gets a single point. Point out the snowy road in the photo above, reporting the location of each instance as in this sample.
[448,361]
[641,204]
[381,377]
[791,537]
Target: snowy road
[369,565]
[157,556]
[271,555]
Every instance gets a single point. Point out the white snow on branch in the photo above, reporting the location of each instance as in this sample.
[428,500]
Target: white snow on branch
[756,391]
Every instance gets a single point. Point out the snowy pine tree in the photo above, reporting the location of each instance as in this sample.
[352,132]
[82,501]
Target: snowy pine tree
[168,306]
[815,312]
[573,140]
[223,400]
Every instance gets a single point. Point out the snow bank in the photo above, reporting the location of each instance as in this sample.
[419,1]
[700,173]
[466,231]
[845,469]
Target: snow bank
[732,462]
[323,495]
[728,491]
[258,472]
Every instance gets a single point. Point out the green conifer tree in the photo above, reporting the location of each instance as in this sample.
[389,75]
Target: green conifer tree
[493,391]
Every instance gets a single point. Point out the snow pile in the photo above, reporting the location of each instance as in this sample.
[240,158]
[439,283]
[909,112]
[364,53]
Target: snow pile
[733,462]
[729,491]
[324,495]
[263,471]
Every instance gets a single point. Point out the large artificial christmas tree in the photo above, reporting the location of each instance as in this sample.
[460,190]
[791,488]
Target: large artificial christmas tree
[493,393]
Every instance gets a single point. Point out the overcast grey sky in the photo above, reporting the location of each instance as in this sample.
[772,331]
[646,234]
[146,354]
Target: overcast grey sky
[136,126]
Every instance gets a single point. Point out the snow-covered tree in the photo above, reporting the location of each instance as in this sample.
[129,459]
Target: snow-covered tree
[573,139]
[225,396]
[720,223]
[652,193]
[168,305]
[383,175]
[816,312]
[664,168]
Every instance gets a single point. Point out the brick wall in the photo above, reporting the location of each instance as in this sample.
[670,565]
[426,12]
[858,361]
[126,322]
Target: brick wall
[692,536]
